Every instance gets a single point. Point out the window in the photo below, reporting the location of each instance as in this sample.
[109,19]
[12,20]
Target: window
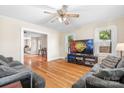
[105,40]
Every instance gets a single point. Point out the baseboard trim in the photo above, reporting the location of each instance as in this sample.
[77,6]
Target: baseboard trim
[51,59]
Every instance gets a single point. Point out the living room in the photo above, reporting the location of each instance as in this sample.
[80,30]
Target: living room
[92,36]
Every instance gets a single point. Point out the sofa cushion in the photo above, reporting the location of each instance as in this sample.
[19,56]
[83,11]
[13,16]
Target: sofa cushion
[110,74]
[3,63]
[121,63]
[4,58]
[110,62]
[6,71]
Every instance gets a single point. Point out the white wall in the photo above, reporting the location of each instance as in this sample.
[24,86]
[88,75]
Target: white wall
[10,37]
[87,31]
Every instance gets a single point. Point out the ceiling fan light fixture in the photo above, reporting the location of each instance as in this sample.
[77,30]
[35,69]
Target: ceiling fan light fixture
[62,15]
[64,18]
[60,19]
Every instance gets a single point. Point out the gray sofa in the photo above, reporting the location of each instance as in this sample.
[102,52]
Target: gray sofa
[12,71]
[108,74]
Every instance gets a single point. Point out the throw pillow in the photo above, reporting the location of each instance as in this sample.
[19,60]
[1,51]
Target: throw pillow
[3,63]
[121,63]
[109,62]
[110,74]
[6,71]
[4,58]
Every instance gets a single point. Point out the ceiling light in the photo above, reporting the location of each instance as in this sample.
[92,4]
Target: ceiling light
[60,19]
[64,19]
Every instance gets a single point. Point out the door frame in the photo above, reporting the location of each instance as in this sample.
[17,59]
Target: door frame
[22,40]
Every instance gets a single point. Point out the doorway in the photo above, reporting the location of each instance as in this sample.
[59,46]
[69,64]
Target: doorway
[35,47]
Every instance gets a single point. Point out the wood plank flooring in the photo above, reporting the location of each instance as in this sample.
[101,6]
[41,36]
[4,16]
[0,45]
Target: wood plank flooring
[59,73]
[34,58]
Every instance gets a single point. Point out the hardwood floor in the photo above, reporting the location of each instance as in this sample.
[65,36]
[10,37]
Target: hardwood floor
[59,73]
[34,58]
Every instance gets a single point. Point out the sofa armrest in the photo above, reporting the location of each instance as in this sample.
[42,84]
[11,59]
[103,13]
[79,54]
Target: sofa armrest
[38,81]
[81,83]
[100,83]
[13,78]
[96,68]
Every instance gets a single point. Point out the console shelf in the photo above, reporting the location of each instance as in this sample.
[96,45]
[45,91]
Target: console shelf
[88,60]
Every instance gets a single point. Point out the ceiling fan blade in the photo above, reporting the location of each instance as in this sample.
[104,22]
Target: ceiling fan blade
[71,15]
[47,12]
[66,21]
[64,8]
[53,19]
[60,12]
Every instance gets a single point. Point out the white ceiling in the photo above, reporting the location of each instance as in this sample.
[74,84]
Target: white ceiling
[34,14]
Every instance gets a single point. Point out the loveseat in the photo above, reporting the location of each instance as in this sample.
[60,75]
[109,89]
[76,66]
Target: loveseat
[12,71]
[107,74]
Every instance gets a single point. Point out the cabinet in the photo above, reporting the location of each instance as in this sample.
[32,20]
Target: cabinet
[81,59]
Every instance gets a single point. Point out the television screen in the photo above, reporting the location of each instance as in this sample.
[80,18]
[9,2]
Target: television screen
[82,46]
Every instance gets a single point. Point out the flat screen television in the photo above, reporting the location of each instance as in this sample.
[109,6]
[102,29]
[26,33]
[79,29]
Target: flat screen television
[82,46]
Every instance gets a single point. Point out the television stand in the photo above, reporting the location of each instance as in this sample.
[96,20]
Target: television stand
[88,60]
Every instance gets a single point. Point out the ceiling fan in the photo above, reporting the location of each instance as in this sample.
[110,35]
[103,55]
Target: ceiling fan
[62,15]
